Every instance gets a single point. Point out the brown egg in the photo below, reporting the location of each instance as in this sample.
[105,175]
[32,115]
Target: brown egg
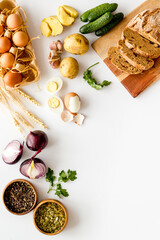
[5,44]
[12,78]
[72,102]
[7,60]
[13,21]
[20,39]
[1,29]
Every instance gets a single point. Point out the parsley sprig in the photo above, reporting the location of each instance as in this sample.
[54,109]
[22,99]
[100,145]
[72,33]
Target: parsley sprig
[92,81]
[63,177]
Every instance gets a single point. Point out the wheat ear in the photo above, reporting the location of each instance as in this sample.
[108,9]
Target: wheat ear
[29,114]
[23,121]
[16,123]
[25,95]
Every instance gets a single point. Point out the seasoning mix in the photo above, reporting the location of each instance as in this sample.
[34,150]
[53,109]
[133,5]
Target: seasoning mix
[50,217]
[19,197]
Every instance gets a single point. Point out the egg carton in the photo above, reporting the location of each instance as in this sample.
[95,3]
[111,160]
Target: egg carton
[33,73]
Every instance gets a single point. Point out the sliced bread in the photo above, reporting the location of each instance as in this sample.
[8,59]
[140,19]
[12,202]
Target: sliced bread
[147,24]
[134,59]
[117,60]
[140,45]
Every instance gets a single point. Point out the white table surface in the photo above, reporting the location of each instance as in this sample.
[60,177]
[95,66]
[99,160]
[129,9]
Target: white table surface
[116,152]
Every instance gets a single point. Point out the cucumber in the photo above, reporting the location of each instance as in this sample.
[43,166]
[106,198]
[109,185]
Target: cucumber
[97,24]
[84,16]
[99,12]
[115,20]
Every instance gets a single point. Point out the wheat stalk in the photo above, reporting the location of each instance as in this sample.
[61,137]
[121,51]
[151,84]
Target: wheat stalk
[23,121]
[5,102]
[16,100]
[25,95]
[35,119]
[17,125]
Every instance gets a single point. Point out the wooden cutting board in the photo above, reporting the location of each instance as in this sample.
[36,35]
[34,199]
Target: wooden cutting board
[135,84]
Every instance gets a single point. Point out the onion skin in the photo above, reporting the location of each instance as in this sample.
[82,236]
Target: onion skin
[14,147]
[38,164]
[36,140]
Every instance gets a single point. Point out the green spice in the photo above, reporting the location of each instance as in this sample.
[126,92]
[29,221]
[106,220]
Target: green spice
[19,197]
[92,81]
[63,177]
[50,217]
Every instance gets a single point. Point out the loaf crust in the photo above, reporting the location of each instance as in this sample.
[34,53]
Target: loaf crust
[137,61]
[147,24]
[117,60]
[140,45]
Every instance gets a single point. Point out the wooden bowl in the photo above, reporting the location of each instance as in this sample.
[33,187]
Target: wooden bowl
[52,201]
[36,198]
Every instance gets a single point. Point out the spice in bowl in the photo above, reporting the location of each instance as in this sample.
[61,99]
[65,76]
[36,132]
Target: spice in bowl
[50,217]
[19,197]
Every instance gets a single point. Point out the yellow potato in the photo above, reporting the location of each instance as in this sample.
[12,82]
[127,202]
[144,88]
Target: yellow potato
[71,11]
[64,17]
[69,67]
[53,24]
[45,29]
[76,44]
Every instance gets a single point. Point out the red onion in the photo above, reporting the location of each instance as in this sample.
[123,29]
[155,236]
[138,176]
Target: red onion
[12,152]
[33,168]
[36,140]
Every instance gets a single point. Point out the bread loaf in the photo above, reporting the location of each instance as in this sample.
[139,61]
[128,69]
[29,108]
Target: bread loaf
[140,45]
[137,61]
[147,24]
[117,60]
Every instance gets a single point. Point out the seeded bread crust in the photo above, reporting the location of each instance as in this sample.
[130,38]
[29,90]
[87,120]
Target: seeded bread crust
[137,61]
[117,60]
[147,24]
[140,45]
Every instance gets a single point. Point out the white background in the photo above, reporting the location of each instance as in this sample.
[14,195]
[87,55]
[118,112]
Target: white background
[116,151]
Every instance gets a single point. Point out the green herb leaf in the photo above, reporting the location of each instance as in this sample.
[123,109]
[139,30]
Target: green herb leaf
[50,177]
[64,193]
[72,175]
[92,81]
[60,191]
[63,176]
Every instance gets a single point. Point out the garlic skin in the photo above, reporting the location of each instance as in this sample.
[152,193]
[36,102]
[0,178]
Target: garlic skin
[54,55]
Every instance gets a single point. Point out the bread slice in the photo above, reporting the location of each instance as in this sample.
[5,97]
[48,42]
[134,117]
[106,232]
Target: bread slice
[147,24]
[140,45]
[134,59]
[117,60]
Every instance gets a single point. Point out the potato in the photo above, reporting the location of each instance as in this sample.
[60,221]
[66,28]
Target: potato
[71,11]
[64,17]
[76,44]
[51,26]
[45,29]
[69,67]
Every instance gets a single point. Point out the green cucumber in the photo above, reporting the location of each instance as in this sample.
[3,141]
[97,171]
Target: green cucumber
[115,20]
[84,16]
[97,24]
[99,12]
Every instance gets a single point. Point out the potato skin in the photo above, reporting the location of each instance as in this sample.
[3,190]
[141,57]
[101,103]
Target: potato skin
[76,44]
[69,67]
